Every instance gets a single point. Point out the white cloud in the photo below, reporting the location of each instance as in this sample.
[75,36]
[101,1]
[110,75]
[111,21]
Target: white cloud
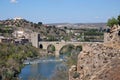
[13,1]
[97,17]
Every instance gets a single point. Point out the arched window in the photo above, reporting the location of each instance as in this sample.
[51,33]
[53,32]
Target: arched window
[41,46]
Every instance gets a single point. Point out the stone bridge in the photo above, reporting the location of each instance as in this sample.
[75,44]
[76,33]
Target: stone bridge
[58,45]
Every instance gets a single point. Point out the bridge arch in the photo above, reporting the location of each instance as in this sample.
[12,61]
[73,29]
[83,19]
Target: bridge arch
[51,48]
[78,48]
[59,45]
[40,46]
[66,49]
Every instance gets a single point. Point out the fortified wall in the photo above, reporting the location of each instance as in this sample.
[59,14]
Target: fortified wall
[99,61]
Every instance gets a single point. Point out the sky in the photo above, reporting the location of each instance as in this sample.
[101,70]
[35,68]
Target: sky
[60,11]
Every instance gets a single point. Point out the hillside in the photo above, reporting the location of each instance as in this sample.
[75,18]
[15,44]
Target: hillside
[80,25]
[44,30]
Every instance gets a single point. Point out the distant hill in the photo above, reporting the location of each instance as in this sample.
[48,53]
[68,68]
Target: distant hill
[97,25]
[80,25]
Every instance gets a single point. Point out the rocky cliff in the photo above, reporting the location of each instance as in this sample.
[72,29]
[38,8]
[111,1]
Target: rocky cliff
[99,61]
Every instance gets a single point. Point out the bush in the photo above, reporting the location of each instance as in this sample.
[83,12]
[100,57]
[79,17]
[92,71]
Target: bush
[76,75]
[12,56]
[111,22]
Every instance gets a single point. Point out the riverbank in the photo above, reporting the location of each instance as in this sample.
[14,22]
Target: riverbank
[48,68]
[12,57]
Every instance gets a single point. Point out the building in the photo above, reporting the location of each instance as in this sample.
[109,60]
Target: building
[18,34]
[69,31]
[76,34]
[21,41]
[21,34]
[5,40]
[1,38]
[18,18]
[35,38]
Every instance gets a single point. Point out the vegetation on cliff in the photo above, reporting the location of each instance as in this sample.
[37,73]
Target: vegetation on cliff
[12,57]
[113,21]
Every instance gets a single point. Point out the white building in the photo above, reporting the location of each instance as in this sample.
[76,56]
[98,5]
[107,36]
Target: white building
[1,37]
[77,34]
[18,18]
[18,34]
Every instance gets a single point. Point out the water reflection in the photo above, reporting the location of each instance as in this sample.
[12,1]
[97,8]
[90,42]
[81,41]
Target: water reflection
[39,71]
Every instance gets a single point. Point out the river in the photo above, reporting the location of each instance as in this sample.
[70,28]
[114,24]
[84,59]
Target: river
[42,69]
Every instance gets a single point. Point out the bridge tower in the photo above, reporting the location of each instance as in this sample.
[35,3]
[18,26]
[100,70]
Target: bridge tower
[35,38]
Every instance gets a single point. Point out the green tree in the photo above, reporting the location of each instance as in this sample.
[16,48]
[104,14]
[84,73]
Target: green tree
[51,48]
[118,19]
[65,27]
[39,23]
[111,22]
[51,38]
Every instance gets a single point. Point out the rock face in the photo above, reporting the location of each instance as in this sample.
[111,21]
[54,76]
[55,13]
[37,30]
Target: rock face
[112,38]
[99,61]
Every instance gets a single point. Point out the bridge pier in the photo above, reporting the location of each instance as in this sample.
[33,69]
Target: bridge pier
[57,53]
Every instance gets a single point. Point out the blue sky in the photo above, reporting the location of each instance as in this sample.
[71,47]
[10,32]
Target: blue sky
[60,11]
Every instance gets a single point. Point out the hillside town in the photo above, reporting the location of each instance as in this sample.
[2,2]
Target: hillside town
[59,40]
[20,31]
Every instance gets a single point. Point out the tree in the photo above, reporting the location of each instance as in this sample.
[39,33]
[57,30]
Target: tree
[51,48]
[35,25]
[65,27]
[39,23]
[118,19]
[111,22]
